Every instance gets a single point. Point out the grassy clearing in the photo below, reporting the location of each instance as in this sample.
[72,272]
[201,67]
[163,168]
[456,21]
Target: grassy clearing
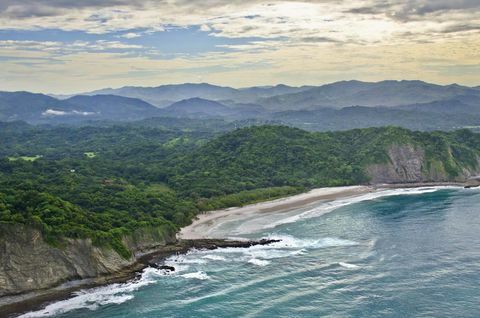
[26,158]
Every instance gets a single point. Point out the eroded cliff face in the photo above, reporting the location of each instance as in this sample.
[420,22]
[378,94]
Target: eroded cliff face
[408,164]
[28,263]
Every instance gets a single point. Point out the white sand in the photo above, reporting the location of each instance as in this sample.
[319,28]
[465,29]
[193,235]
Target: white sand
[203,225]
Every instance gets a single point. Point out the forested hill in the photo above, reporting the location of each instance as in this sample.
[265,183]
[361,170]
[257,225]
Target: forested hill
[269,156]
[105,182]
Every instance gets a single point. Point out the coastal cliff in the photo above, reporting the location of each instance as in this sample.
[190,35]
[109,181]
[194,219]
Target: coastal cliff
[409,164]
[28,263]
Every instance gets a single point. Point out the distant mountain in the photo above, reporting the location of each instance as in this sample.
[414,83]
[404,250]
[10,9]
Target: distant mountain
[269,91]
[329,119]
[353,93]
[29,106]
[204,108]
[165,95]
[411,104]
[459,105]
[39,108]
[198,107]
[115,107]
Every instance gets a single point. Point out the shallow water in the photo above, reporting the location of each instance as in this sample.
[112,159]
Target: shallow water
[404,253]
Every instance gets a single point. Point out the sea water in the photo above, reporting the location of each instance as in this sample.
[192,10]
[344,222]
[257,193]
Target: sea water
[398,253]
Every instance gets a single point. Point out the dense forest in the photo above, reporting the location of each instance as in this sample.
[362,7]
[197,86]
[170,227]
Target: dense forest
[105,181]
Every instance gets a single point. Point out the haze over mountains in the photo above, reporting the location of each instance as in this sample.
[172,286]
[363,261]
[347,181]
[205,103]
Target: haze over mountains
[340,105]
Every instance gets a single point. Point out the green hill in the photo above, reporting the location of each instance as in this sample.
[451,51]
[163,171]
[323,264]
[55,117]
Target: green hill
[143,177]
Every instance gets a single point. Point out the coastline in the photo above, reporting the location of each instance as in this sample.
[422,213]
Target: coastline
[202,226]
[196,235]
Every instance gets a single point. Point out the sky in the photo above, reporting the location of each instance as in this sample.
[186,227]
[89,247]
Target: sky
[70,46]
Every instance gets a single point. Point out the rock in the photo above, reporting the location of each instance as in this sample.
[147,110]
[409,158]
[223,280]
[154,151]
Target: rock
[408,163]
[165,267]
[473,182]
[211,244]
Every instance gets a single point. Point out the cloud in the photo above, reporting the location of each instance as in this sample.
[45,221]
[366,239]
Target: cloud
[130,35]
[318,39]
[115,42]
[53,112]
[340,21]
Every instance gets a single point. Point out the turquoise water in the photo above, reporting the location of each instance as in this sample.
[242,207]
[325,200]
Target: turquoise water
[409,254]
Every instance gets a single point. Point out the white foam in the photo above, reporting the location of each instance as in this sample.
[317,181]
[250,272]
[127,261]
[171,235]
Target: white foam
[96,297]
[259,262]
[196,275]
[348,265]
[214,257]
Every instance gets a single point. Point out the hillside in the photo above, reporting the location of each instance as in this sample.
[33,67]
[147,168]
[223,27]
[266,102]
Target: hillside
[273,156]
[89,190]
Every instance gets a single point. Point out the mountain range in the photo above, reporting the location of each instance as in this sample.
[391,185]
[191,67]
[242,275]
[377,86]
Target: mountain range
[340,105]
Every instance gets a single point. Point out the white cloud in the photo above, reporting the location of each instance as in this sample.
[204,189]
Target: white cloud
[53,112]
[130,35]
[310,42]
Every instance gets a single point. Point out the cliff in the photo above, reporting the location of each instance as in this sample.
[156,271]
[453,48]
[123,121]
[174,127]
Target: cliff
[28,263]
[409,163]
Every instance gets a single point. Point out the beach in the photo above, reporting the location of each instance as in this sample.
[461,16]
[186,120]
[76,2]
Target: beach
[205,224]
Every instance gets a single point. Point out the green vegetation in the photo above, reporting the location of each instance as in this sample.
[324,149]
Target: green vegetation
[162,177]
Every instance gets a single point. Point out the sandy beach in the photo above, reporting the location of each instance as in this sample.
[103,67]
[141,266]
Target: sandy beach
[202,226]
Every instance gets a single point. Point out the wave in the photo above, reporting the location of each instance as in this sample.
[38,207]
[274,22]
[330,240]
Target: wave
[99,296]
[214,257]
[348,265]
[196,275]
[335,204]
[259,262]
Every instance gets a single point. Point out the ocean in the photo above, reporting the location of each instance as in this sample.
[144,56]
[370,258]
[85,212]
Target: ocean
[397,253]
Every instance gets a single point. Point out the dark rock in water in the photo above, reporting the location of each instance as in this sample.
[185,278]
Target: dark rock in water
[167,268]
[211,244]
[164,267]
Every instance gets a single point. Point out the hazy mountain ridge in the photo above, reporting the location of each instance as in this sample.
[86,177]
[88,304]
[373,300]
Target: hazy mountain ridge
[355,93]
[340,105]
[165,95]
[39,108]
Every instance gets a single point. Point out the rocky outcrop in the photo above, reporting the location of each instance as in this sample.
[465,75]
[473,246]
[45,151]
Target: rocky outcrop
[405,166]
[408,164]
[473,182]
[28,263]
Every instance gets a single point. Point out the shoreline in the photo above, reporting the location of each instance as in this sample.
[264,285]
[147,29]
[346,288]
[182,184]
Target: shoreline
[196,235]
[204,223]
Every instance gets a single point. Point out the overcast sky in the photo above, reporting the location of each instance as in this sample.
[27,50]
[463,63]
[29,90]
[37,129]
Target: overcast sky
[65,46]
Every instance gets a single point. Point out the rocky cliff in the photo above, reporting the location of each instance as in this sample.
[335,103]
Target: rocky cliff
[28,263]
[409,164]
